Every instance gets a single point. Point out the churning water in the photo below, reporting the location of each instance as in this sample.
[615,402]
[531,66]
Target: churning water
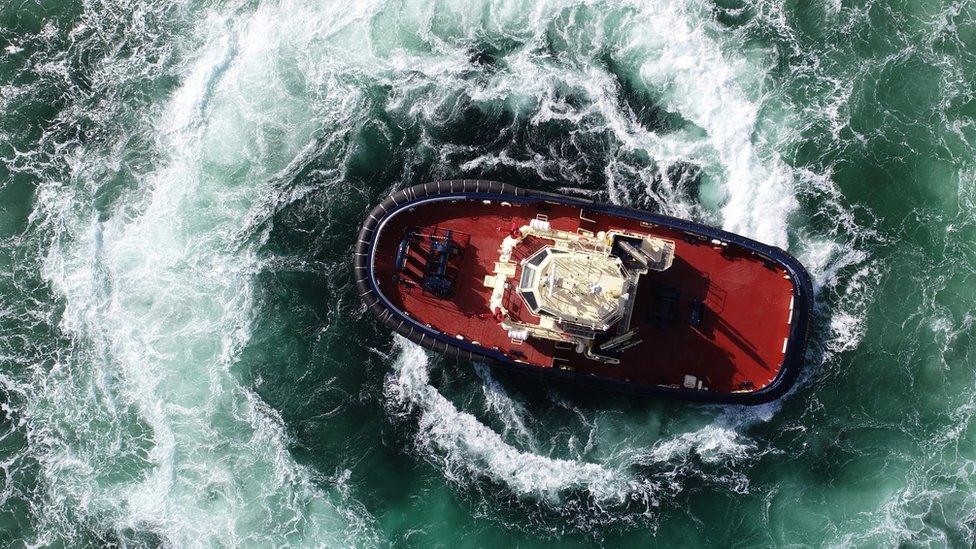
[184,360]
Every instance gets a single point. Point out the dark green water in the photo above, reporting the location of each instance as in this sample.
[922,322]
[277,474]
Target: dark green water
[184,360]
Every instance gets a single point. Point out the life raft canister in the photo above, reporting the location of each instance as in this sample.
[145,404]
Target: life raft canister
[514,231]
[499,315]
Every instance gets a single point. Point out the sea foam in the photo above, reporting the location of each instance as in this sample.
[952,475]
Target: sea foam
[159,300]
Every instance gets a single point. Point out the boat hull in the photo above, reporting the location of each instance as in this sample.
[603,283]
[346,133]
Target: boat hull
[387,310]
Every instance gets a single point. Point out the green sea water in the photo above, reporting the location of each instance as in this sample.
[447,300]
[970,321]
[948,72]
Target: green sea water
[184,360]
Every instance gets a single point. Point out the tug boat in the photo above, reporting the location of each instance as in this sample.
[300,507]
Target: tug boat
[594,294]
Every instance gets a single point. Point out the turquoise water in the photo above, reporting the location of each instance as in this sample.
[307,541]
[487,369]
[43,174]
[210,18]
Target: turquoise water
[184,360]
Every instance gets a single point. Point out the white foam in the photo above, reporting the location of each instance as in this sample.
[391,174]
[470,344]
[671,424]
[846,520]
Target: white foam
[705,86]
[160,295]
[712,443]
[680,59]
[465,446]
[505,408]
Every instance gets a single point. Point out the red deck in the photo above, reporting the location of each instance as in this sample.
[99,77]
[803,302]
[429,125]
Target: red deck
[737,347]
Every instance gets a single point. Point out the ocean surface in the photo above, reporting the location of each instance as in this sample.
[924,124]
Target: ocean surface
[184,360]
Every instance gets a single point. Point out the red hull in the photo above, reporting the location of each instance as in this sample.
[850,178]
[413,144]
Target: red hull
[739,345]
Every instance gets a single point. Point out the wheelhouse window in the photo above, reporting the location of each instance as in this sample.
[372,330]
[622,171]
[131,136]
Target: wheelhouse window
[528,279]
[538,258]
